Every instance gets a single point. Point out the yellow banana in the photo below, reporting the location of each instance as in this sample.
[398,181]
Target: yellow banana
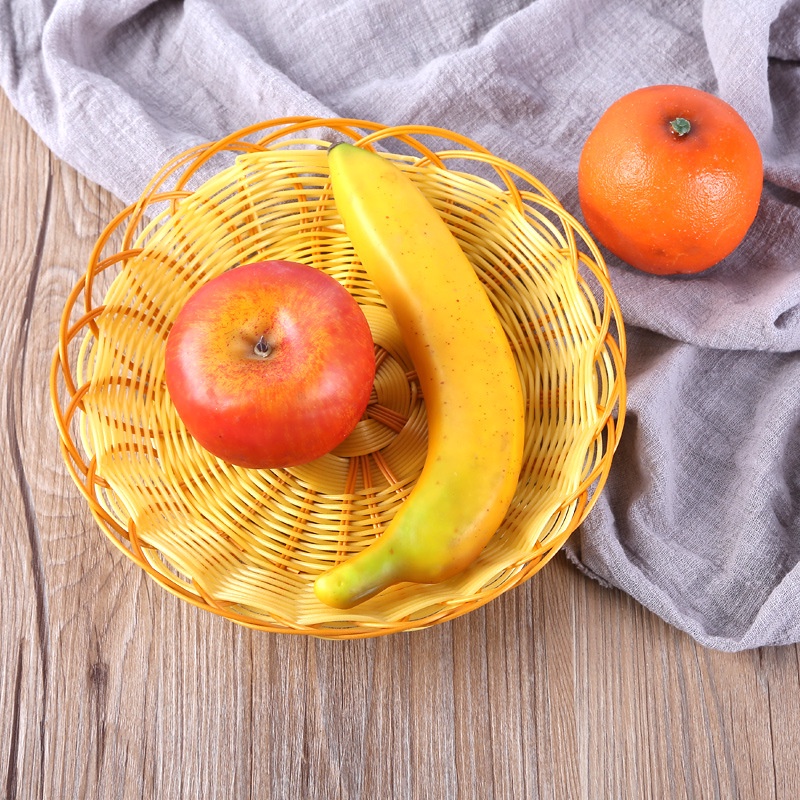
[466,370]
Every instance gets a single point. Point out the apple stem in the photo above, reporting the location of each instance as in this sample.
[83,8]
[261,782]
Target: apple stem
[262,347]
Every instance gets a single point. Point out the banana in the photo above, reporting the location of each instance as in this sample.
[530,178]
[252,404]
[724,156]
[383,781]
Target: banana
[467,373]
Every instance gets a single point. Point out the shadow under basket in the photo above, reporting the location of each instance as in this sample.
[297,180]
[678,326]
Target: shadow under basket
[248,544]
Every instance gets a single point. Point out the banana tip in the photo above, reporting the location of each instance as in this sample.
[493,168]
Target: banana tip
[330,591]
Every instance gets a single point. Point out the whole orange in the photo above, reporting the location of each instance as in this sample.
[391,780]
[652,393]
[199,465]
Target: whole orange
[670,179]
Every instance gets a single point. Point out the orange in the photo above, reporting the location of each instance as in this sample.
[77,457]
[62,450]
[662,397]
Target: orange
[670,179]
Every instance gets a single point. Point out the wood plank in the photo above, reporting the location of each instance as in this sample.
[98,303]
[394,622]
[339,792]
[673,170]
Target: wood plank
[24,645]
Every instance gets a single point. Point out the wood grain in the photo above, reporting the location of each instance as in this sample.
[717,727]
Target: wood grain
[111,687]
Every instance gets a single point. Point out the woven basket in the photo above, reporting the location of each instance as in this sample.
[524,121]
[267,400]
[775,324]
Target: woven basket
[247,544]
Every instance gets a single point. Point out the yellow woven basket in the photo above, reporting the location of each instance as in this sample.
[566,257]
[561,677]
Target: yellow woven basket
[247,544]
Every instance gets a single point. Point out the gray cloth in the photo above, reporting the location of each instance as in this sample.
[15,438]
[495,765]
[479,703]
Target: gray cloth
[700,519]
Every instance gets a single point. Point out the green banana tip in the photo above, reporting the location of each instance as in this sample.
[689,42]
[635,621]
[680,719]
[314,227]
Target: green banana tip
[358,578]
[330,591]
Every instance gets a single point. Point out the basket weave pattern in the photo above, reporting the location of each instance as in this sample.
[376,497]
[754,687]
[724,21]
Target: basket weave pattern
[247,544]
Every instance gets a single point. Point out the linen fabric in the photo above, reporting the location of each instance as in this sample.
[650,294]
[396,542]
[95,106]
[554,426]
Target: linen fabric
[700,518]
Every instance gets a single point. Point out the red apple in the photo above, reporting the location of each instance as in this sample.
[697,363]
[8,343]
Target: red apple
[270,364]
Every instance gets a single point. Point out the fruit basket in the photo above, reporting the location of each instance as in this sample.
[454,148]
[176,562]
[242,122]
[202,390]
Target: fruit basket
[248,544]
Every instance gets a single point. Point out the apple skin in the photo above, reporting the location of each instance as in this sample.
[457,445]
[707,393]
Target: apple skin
[285,408]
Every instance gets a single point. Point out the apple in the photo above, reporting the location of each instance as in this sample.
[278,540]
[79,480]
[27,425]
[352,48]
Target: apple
[270,364]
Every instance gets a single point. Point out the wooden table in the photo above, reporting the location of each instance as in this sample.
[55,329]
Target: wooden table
[112,687]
